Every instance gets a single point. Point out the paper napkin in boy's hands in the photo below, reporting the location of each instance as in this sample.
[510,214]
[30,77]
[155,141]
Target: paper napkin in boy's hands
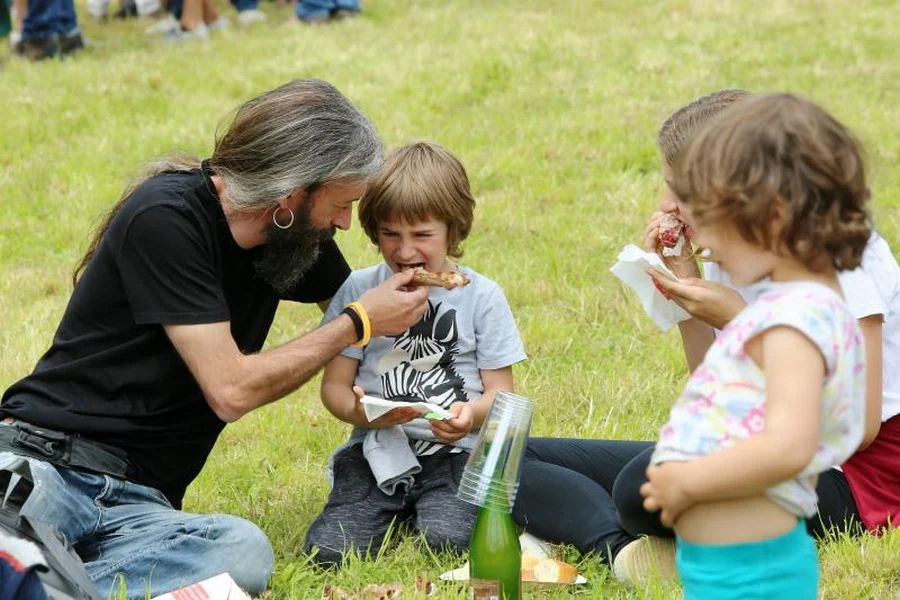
[375,407]
[632,269]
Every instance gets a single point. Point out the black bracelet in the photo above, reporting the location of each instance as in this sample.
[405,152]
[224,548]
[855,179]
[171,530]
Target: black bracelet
[357,322]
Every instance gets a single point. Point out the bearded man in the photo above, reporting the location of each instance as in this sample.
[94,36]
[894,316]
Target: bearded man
[159,346]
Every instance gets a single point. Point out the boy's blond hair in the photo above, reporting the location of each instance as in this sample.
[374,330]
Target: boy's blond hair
[419,181]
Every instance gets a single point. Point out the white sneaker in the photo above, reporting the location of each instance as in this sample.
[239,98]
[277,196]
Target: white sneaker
[164,25]
[251,16]
[637,561]
[200,33]
[220,23]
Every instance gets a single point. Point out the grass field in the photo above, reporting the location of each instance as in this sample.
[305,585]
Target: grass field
[553,107]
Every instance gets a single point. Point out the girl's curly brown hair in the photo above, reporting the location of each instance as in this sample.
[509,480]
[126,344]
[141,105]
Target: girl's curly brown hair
[774,151]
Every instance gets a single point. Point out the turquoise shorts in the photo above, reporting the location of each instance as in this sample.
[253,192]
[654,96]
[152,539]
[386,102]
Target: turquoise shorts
[785,567]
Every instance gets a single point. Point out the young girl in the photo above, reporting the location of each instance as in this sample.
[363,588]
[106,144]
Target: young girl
[417,211]
[774,188]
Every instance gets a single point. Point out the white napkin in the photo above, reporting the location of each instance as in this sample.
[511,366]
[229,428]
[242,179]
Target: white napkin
[632,270]
[375,407]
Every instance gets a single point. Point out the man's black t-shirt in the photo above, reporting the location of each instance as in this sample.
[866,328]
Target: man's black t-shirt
[112,375]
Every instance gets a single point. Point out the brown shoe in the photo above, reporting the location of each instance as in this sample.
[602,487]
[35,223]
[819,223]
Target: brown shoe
[37,49]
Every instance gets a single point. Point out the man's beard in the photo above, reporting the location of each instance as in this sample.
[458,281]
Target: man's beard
[289,253]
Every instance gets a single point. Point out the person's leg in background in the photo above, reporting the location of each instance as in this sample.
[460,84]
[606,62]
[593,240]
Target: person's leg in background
[345,9]
[314,11]
[248,12]
[70,38]
[565,492]
[40,38]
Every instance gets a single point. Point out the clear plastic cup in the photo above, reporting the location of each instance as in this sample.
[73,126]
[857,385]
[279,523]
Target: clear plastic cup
[492,473]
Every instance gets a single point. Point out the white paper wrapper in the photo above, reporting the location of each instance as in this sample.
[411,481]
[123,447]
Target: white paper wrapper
[631,268]
[375,407]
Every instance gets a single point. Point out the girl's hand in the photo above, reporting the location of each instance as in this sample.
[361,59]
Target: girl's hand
[684,265]
[713,303]
[664,492]
[398,416]
[455,428]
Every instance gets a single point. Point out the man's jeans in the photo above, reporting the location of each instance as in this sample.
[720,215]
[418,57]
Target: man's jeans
[130,532]
[47,18]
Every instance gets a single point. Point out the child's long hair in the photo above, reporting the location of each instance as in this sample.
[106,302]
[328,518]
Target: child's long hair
[780,155]
[419,181]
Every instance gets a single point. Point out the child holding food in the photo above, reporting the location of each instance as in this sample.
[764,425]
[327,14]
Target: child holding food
[774,190]
[399,466]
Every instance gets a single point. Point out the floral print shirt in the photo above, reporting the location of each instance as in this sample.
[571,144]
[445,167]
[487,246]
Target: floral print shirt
[725,399]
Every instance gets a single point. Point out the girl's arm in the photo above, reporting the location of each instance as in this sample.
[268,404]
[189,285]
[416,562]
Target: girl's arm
[794,370]
[472,414]
[341,397]
[871,327]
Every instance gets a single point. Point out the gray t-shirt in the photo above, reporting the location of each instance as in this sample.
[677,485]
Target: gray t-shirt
[439,358]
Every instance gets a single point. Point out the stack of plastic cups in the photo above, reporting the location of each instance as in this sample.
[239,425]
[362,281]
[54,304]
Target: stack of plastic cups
[491,476]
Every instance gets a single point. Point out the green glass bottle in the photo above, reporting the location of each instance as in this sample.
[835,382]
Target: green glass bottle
[495,557]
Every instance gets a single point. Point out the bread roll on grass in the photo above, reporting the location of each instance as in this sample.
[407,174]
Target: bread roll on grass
[554,571]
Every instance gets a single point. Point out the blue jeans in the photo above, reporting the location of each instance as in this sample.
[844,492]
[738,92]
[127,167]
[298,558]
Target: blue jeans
[125,531]
[321,9]
[242,5]
[46,18]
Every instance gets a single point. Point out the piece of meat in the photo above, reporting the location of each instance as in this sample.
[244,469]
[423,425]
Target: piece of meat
[445,279]
[670,230]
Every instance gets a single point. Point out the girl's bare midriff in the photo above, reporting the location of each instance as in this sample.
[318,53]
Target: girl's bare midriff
[734,521]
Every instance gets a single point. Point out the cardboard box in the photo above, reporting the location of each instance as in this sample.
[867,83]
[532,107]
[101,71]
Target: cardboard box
[220,587]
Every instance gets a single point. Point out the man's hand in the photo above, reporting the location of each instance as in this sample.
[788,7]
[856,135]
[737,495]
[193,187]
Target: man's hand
[664,492]
[398,416]
[713,303]
[455,428]
[684,265]
[392,308]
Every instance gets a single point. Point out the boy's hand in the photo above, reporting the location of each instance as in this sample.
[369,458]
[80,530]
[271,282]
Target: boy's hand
[398,416]
[455,428]
[664,491]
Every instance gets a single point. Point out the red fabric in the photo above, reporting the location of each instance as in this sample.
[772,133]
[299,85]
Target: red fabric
[874,478]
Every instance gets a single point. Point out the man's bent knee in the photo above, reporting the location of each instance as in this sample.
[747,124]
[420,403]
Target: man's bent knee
[247,553]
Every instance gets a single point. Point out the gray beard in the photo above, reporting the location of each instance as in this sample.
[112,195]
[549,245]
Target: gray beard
[290,253]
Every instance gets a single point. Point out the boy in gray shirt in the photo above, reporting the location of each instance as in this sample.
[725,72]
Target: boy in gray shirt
[458,356]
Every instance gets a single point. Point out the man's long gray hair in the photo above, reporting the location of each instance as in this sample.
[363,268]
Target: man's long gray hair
[301,135]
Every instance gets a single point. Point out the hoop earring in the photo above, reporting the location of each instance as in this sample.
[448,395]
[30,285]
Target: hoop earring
[279,225]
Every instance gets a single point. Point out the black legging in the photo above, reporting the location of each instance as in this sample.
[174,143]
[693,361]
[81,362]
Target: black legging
[587,493]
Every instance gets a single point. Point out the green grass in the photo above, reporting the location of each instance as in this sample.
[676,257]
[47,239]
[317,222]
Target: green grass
[552,106]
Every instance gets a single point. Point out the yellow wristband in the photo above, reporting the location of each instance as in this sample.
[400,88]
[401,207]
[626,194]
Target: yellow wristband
[367,326]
